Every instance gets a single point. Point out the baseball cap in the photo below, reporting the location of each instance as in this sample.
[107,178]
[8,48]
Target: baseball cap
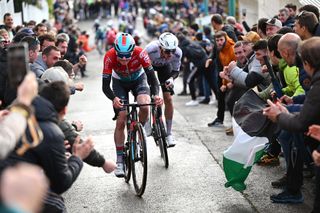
[251,37]
[27,30]
[274,22]
[55,74]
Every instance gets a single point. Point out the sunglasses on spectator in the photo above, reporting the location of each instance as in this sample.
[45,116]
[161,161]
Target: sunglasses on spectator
[301,14]
[124,55]
[169,51]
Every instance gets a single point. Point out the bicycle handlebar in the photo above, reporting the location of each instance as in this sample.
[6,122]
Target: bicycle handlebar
[116,113]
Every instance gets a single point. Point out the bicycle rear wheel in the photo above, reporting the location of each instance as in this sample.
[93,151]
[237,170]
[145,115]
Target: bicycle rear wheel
[127,163]
[162,143]
[139,159]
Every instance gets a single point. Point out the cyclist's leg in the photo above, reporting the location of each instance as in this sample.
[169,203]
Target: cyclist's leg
[120,91]
[168,110]
[141,91]
[164,73]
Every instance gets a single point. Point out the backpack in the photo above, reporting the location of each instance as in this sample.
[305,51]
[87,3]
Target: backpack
[195,51]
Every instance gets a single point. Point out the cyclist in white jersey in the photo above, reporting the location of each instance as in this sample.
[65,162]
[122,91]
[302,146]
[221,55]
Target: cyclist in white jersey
[166,60]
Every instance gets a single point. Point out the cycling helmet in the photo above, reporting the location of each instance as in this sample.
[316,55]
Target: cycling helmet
[168,41]
[124,43]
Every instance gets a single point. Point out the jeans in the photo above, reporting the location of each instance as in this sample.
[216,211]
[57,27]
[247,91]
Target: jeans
[295,163]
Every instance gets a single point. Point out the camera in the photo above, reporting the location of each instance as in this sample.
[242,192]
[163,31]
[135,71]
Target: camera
[18,63]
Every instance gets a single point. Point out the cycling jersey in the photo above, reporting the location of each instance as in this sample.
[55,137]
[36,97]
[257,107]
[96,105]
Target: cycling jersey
[130,72]
[154,52]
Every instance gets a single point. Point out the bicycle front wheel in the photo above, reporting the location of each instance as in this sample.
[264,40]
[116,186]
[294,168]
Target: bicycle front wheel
[162,143]
[127,163]
[139,159]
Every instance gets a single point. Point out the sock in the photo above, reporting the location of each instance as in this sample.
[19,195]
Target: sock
[169,126]
[119,153]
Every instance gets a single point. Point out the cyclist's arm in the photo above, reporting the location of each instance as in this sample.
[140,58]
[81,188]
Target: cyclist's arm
[152,80]
[106,79]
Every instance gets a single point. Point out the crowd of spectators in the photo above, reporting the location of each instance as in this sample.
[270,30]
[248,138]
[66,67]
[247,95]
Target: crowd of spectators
[42,153]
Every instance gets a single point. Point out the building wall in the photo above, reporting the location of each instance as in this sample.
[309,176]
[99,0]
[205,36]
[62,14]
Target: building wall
[263,8]
[30,12]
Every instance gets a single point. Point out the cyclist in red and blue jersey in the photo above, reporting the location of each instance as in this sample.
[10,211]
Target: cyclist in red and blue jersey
[130,69]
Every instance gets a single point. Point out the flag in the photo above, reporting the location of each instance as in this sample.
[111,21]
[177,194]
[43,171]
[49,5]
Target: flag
[240,156]
[252,131]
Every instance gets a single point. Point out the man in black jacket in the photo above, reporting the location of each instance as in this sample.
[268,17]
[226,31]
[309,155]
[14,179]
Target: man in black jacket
[299,123]
[49,107]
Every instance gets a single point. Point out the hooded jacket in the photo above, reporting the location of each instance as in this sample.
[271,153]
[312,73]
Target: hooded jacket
[50,153]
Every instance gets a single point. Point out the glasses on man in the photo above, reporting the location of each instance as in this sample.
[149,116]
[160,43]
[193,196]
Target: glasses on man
[124,55]
[169,51]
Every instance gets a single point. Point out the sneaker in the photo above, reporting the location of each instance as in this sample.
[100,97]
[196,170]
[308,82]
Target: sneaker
[205,101]
[147,128]
[287,197]
[280,183]
[213,102]
[268,160]
[119,171]
[192,103]
[200,98]
[216,123]
[170,141]
[229,131]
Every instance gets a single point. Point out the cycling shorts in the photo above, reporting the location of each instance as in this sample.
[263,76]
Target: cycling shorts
[164,73]
[139,86]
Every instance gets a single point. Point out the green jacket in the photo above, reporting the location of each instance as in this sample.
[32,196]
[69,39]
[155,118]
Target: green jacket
[291,76]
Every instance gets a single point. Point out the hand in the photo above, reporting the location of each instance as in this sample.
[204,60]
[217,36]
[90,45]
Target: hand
[109,166]
[230,85]
[28,89]
[67,145]
[83,60]
[208,62]
[169,83]
[24,185]
[288,100]
[224,75]
[78,125]
[316,157]
[82,150]
[223,88]
[314,131]
[158,100]
[117,103]
[79,86]
[274,110]
[231,66]
[264,69]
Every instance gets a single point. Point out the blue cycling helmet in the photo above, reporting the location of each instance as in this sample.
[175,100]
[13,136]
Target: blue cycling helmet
[124,43]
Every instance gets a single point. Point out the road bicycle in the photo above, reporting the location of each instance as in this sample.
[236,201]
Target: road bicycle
[159,133]
[135,150]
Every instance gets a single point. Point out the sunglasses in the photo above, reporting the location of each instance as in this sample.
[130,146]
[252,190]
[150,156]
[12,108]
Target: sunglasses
[169,51]
[124,55]
[301,14]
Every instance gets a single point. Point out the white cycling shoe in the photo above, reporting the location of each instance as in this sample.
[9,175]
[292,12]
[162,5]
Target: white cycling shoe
[119,171]
[170,141]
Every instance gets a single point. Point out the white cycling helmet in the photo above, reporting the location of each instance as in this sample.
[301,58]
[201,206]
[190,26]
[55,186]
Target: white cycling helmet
[168,41]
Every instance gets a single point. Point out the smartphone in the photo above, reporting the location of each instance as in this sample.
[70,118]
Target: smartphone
[244,12]
[18,63]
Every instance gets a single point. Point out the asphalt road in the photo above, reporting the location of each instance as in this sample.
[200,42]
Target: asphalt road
[194,181]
